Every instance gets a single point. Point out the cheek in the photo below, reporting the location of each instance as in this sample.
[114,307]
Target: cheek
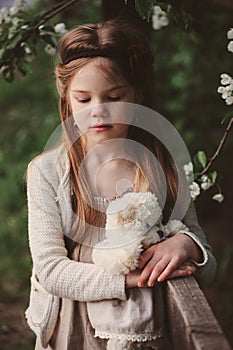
[120,112]
[74,106]
[77,114]
[82,119]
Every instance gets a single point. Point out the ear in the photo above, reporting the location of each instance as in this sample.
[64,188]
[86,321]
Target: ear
[138,96]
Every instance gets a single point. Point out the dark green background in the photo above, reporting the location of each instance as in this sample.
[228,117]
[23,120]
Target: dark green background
[187,71]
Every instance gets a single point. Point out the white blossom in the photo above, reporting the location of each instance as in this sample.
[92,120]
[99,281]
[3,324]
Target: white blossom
[164,20]
[230,46]
[227,90]
[60,28]
[205,182]
[218,197]
[225,79]
[13,10]
[157,10]
[50,50]
[225,94]
[26,48]
[16,7]
[159,18]
[4,15]
[188,168]
[206,185]
[25,26]
[229,100]
[194,190]
[230,34]
[221,89]
[14,28]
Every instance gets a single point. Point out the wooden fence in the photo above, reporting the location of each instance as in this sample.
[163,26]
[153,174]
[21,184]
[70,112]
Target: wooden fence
[191,322]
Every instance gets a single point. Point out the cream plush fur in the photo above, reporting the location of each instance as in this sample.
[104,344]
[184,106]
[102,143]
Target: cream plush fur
[133,223]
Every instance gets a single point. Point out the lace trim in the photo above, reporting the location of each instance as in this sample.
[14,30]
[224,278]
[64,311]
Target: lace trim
[143,337]
[109,199]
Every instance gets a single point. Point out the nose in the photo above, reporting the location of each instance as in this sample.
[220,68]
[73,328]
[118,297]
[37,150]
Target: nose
[99,110]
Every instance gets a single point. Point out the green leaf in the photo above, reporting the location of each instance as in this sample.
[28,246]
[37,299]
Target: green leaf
[49,39]
[144,8]
[1,53]
[227,117]
[196,176]
[200,159]
[8,74]
[48,29]
[23,66]
[213,176]
[11,43]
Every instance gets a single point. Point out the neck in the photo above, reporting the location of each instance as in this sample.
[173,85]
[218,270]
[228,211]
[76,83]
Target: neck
[109,150]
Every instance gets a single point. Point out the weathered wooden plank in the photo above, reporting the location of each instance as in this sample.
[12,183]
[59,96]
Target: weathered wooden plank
[191,322]
[203,341]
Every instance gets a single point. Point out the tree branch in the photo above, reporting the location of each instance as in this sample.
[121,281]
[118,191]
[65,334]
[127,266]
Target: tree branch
[219,148]
[54,11]
[44,18]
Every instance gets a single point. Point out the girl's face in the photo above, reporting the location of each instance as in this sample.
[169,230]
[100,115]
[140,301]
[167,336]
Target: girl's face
[89,94]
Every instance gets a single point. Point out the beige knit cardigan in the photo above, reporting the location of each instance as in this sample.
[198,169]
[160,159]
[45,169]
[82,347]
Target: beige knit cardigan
[54,275]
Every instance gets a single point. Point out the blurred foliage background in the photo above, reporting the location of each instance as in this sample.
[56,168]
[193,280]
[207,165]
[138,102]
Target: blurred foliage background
[187,71]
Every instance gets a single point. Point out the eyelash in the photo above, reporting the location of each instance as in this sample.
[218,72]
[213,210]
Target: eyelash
[83,101]
[117,98]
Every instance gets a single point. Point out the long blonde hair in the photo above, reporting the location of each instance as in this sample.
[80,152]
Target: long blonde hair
[128,52]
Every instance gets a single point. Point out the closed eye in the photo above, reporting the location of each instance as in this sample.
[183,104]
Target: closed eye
[115,98]
[83,100]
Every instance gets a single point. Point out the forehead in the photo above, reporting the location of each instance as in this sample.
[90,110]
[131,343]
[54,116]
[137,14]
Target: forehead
[99,71]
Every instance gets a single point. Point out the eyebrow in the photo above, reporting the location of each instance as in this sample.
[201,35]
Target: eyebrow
[113,88]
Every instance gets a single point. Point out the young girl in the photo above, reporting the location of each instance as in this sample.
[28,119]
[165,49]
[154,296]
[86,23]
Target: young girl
[70,186]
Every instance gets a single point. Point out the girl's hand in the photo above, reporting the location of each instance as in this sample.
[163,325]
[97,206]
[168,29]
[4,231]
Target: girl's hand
[185,269]
[166,260]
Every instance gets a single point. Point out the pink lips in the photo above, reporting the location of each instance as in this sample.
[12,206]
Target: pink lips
[101,127]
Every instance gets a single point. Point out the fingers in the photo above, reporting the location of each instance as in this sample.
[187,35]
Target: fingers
[151,272]
[186,269]
[167,259]
[145,257]
[180,273]
[171,266]
[163,270]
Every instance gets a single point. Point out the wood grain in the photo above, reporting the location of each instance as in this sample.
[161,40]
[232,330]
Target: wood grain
[191,322]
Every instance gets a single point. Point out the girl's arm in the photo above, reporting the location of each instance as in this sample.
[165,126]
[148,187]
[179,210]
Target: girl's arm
[162,261]
[56,272]
[206,267]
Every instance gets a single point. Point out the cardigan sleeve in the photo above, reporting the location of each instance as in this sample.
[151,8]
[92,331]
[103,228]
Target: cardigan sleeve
[58,274]
[207,269]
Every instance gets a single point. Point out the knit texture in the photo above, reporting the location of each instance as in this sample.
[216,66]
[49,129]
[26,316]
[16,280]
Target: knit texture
[49,218]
